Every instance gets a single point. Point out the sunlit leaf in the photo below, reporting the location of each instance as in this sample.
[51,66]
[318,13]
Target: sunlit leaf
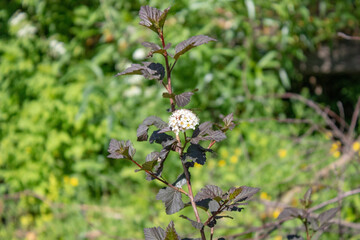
[120,149]
[209,191]
[183,99]
[172,200]
[190,43]
[152,18]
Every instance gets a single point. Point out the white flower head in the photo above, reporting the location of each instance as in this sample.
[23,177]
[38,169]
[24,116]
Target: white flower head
[57,48]
[182,120]
[139,54]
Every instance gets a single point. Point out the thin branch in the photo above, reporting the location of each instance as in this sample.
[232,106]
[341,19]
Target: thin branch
[336,199]
[354,119]
[342,114]
[159,179]
[347,37]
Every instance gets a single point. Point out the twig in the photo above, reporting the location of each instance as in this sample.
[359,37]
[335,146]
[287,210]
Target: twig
[354,119]
[347,37]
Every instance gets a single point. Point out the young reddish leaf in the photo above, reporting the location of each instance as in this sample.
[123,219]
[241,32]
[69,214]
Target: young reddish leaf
[154,48]
[209,191]
[172,200]
[195,224]
[183,99]
[152,18]
[142,131]
[190,43]
[228,121]
[120,149]
[171,233]
[155,233]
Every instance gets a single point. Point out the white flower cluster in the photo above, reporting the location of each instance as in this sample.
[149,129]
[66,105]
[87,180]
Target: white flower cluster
[57,48]
[182,120]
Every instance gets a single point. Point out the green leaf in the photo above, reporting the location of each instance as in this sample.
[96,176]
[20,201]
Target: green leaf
[171,233]
[190,43]
[267,59]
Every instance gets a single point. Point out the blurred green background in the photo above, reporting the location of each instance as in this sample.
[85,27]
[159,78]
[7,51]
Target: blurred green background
[60,104]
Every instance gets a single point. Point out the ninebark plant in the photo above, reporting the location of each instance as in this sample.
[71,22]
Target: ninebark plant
[175,137]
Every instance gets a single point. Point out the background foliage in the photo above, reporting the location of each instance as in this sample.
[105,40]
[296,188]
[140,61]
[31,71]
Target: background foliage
[60,104]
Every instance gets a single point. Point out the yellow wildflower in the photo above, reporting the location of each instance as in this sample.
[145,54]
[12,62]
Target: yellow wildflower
[238,152]
[30,236]
[278,237]
[222,163]
[336,154]
[74,181]
[276,212]
[265,196]
[328,135]
[356,146]
[282,153]
[234,159]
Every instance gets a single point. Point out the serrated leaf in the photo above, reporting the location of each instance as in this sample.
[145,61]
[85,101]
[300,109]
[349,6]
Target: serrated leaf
[246,193]
[183,99]
[142,131]
[327,216]
[149,70]
[148,166]
[291,212]
[190,43]
[155,233]
[197,153]
[120,149]
[202,129]
[157,170]
[172,200]
[154,48]
[171,233]
[216,136]
[209,191]
[152,18]
[195,224]
[228,121]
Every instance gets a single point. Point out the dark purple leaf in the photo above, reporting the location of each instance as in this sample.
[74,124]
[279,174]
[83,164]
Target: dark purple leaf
[148,70]
[154,233]
[213,206]
[246,193]
[183,99]
[159,137]
[217,136]
[197,153]
[327,216]
[195,224]
[172,200]
[228,121]
[142,131]
[209,191]
[171,233]
[120,149]
[291,212]
[152,18]
[190,43]
[154,48]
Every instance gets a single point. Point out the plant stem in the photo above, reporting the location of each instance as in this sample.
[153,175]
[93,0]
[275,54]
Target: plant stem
[306,229]
[159,179]
[168,71]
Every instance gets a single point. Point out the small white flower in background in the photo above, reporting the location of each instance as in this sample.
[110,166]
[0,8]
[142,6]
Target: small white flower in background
[26,31]
[139,54]
[182,120]
[208,77]
[17,18]
[132,91]
[57,48]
